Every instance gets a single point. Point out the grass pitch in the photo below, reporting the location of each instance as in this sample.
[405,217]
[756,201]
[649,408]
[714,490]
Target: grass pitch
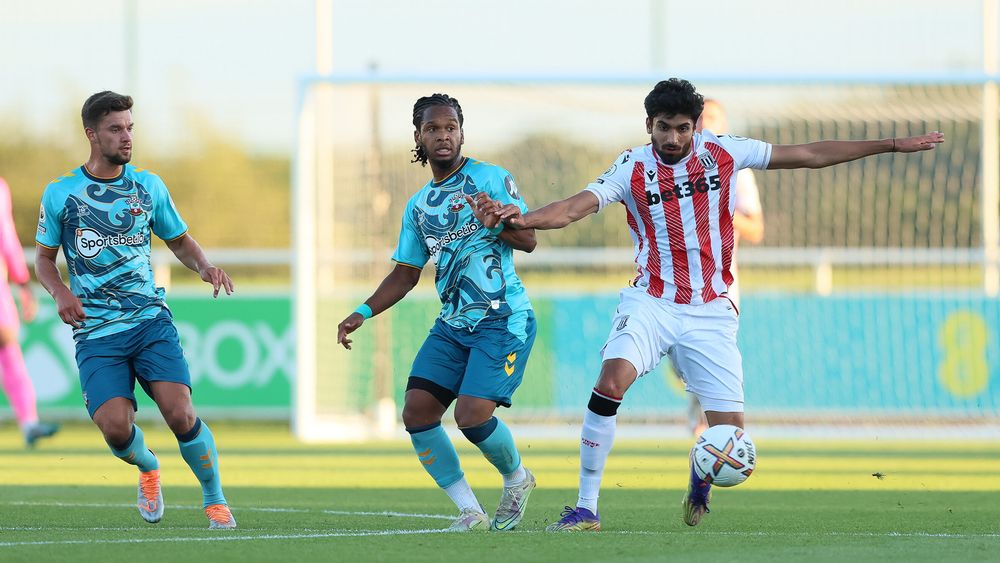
[808,501]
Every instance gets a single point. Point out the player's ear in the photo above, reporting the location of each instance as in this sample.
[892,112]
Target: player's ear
[91,134]
[649,125]
[416,136]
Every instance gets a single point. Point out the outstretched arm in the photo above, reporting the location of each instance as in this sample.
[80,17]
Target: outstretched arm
[394,287]
[827,153]
[555,215]
[189,252]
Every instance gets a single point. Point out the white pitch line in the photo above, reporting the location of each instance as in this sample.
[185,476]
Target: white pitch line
[396,514]
[241,509]
[336,534]
[231,538]
[97,528]
[124,505]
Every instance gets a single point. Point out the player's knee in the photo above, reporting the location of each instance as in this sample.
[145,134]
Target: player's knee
[180,418]
[419,414]
[473,411]
[612,388]
[617,375]
[423,406]
[470,419]
[116,428]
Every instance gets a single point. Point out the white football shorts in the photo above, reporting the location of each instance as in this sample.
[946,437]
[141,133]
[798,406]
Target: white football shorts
[700,340]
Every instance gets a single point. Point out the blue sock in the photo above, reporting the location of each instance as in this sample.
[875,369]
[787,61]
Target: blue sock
[198,450]
[699,485]
[494,439]
[136,453]
[436,453]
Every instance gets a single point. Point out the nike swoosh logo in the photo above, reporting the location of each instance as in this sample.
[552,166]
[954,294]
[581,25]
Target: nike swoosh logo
[502,524]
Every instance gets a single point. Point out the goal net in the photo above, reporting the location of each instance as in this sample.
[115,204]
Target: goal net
[871,297]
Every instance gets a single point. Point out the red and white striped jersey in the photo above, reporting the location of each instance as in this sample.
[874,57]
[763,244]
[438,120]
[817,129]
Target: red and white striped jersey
[681,215]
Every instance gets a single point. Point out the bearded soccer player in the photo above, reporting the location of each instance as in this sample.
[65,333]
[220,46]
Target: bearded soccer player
[478,347]
[103,214]
[17,384]
[678,196]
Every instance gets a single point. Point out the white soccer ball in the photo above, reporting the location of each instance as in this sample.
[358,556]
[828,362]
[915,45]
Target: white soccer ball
[724,455]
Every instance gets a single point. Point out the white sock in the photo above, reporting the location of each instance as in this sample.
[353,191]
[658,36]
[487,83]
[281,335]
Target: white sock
[461,494]
[516,478]
[596,439]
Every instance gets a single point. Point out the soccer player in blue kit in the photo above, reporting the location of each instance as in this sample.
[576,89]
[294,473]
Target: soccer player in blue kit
[102,214]
[479,345]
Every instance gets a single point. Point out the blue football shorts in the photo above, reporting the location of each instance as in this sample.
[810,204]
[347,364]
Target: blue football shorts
[487,362]
[111,365]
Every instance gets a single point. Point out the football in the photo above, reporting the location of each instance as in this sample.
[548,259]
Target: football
[724,455]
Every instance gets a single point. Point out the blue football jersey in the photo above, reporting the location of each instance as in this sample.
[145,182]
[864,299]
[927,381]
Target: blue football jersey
[474,269]
[104,227]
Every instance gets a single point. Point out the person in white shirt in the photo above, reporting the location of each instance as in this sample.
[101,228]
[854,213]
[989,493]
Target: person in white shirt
[677,191]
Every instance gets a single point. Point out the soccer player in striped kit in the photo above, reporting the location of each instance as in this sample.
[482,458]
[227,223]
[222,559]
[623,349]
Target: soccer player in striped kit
[678,195]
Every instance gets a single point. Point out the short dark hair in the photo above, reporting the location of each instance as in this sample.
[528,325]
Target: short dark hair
[418,118]
[674,97]
[101,104]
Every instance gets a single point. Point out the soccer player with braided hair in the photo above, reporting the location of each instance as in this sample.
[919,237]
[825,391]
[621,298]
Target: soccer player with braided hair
[478,347]
[678,197]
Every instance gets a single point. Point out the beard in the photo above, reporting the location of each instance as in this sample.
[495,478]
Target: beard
[448,162]
[117,159]
[674,158]
[670,158]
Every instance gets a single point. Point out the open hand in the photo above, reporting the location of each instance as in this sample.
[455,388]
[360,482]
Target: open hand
[924,142]
[219,280]
[347,326]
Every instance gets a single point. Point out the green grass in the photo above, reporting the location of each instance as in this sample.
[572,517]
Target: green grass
[815,501]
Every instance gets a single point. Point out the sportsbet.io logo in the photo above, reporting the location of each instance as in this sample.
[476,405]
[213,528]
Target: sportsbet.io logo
[90,243]
[434,244]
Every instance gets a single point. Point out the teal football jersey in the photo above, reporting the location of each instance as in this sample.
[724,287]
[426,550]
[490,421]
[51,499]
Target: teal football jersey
[104,227]
[474,269]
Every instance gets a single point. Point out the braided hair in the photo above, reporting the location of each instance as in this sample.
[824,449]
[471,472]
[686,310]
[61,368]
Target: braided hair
[419,154]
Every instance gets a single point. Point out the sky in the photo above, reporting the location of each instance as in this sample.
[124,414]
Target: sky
[236,65]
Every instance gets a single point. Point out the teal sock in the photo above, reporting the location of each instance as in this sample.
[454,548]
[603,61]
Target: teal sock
[494,439]
[198,450]
[136,453]
[436,453]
